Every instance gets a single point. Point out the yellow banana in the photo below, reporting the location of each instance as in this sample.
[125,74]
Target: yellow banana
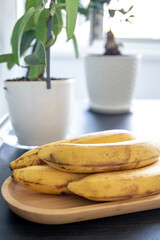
[45,179]
[108,136]
[103,157]
[119,185]
[31,157]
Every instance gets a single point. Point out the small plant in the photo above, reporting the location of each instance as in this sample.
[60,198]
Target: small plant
[111,46]
[36,31]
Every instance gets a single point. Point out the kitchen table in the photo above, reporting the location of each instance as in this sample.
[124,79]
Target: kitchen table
[144,121]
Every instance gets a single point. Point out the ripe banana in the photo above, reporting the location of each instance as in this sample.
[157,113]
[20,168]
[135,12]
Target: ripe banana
[31,157]
[103,157]
[119,185]
[109,136]
[45,179]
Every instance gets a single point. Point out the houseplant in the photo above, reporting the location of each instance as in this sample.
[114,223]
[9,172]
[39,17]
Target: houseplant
[40,107]
[111,77]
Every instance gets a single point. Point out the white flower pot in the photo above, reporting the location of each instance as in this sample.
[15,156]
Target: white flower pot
[111,82]
[40,115]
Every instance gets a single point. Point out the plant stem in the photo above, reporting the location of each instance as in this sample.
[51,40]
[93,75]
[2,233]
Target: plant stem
[49,35]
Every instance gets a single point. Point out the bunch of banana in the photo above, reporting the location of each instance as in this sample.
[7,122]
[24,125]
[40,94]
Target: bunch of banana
[31,172]
[103,166]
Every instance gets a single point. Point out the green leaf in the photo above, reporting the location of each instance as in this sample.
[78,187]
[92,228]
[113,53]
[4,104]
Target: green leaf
[130,8]
[61,1]
[38,57]
[6,58]
[125,12]
[71,16]
[127,20]
[18,32]
[122,11]
[83,11]
[58,6]
[35,71]
[57,23]
[54,40]
[37,4]
[33,21]
[75,46]
[111,12]
[62,4]
[41,28]
[27,39]
[10,65]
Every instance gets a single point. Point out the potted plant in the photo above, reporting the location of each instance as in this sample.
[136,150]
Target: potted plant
[40,107]
[111,77]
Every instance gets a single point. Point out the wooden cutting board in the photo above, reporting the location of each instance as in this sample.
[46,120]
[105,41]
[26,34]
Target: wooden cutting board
[61,209]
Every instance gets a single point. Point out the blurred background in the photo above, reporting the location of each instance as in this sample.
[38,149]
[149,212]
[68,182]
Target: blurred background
[142,36]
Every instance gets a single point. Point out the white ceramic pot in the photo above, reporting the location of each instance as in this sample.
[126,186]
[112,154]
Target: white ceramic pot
[40,115]
[111,82]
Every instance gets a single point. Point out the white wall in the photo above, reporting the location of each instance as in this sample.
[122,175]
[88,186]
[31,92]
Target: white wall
[8,15]
[70,67]
[147,86]
[148,82]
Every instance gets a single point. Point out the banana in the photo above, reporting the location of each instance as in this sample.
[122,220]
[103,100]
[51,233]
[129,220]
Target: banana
[119,185]
[108,136]
[45,179]
[31,157]
[103,157]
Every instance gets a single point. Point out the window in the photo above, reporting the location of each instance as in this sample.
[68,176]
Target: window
[145,23]
[144,26]
[20,4]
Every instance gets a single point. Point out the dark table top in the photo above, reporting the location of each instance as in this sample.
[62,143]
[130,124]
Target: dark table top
[143,120]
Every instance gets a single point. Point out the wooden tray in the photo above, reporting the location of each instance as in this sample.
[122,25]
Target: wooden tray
[60,209]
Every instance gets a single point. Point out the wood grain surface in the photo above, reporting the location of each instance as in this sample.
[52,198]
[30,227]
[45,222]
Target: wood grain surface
[62,209]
